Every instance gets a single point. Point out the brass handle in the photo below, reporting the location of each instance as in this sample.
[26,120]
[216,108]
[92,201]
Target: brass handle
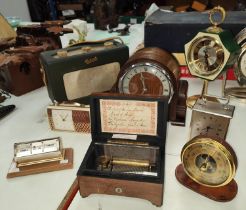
[217,11]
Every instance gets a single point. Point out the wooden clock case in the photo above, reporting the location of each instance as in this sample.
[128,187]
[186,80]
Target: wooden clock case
[164,59]
[149,187]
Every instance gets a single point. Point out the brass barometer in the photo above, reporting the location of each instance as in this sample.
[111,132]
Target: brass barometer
[208,162]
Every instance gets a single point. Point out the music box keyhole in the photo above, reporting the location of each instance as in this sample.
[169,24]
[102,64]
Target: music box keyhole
[118,190]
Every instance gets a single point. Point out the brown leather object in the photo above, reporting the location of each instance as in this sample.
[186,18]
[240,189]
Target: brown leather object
[44,33]
[20,69]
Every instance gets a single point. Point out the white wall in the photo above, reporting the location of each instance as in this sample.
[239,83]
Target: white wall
[15,8]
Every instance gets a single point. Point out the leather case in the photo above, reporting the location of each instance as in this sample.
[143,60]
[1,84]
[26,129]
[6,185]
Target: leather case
[74,73]
[126,155]
[20,69]
[172,30]
[46,32]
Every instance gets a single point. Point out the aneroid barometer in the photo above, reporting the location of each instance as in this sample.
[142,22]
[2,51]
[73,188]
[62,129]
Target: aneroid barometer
[208,162]
[212,50]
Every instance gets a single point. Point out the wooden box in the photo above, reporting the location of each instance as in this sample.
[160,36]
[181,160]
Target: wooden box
[126,155]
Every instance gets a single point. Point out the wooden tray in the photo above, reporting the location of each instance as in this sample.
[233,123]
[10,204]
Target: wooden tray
[67,163]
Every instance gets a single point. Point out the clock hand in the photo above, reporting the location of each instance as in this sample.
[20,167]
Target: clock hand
[206,59]
[205,165]
[64,118]
[143,82]
[207,129]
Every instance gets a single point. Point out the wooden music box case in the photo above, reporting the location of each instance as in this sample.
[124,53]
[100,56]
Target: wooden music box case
[74,73]
[126,155]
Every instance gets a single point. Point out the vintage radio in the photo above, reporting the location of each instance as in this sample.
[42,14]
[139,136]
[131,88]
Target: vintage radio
[69,117]
[20,69]
[126,156]
[74,73]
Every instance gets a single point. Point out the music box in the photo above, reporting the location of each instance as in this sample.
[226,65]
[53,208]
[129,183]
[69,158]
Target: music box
[74,73]
[126,156]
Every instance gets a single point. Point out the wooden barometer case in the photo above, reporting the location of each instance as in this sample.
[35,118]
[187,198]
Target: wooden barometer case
[208,162]
[126,155]
[154,71]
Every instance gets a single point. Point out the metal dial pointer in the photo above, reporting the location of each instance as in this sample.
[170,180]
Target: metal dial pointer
[143,82]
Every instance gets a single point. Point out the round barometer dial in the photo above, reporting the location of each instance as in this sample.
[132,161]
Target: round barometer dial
[209,161]
[150,71]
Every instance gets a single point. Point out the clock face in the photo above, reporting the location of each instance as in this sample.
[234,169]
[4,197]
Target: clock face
[62,119]
[205,56]
[242,63]
[208,162]
[208,124]
[146,78]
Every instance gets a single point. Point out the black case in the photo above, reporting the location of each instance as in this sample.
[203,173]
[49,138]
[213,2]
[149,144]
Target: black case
[172,30]
[87,166]
[55,68]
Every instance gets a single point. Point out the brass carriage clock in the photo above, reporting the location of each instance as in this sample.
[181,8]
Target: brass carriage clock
[211,51]
[208,161]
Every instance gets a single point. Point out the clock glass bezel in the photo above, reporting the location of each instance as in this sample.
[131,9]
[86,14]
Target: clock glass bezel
[242,62]
[215,153]
[156,70]
[194,53]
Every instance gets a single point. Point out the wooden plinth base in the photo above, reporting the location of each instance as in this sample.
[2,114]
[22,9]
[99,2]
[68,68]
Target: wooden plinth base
[44,167]
[222,194]
[145,190]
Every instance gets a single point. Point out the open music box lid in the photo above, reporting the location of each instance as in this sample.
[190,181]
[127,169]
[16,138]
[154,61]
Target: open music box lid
[130,117]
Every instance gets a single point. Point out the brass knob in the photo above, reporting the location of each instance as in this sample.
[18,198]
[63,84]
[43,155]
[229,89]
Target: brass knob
[62,53]
[217,15]
[108,44]
[86,49]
